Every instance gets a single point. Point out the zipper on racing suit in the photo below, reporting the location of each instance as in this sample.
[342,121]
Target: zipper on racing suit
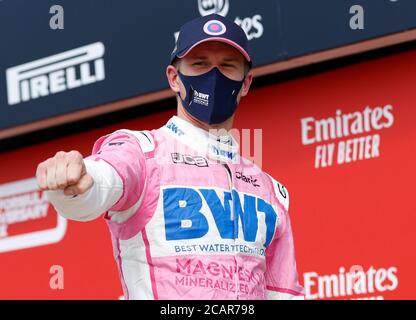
[235,224]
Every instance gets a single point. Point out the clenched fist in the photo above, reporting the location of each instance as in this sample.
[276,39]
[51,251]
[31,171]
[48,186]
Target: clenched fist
[65,171]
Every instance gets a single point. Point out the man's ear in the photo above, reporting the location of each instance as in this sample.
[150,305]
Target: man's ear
[173,78]
[247,83]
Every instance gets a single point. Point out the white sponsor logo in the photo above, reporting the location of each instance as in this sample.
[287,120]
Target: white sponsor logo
[252,26]
[207,7]
[353,125]
[356,282]
[55,73]
[21,202]
[201,98]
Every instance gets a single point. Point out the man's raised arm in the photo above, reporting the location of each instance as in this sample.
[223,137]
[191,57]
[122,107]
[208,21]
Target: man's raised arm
[110,179]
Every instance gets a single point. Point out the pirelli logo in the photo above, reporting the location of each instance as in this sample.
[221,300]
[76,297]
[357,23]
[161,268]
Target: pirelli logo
[60,72]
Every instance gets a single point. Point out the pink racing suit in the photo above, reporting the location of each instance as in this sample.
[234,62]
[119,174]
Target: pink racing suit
[195,220]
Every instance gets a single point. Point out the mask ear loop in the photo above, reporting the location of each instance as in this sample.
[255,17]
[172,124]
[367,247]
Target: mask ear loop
[244,79]
[242,83]
[188,94]
[179,92]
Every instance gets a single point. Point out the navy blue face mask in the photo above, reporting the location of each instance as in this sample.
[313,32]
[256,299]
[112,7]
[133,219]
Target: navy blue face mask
[210,97]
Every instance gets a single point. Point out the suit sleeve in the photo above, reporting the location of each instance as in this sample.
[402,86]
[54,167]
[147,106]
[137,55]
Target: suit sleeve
[123,153]
[117,166]
[281,273]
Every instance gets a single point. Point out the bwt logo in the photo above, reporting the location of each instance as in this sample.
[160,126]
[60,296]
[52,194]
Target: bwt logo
[185,220]
[207,7]
[55,73]
[175,129]
[201,95]
[201,98]
[223,153]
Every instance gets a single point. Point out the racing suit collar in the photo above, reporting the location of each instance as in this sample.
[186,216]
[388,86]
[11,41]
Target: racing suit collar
[222,148]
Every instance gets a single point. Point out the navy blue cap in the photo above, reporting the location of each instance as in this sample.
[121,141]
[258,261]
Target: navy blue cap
[212,27]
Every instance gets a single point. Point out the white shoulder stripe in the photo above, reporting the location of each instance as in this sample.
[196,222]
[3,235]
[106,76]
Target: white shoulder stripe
[144,137]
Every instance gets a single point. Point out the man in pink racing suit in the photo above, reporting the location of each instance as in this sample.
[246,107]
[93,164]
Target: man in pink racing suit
[189,217]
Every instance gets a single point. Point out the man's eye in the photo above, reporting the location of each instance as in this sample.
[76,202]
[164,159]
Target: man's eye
[199,63]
